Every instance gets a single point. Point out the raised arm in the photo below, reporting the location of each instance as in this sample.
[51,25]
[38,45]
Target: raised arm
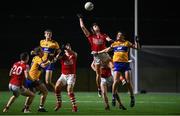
[84,29]
[136,45]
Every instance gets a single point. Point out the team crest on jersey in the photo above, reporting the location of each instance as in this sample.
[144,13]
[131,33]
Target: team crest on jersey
[97,41]
[119,48]
[68,62]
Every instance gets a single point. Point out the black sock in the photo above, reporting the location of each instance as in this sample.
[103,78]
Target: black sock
[114,96]
[117,97]
[132,97]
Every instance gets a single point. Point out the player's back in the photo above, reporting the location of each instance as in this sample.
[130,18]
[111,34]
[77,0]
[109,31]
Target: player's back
[17,73]
[35,70]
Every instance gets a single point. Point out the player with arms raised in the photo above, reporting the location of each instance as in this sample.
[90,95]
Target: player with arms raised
[97,40]
[121,64]
[68,76]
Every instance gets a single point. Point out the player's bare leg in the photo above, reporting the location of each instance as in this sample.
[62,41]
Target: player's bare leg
[11,100]
[111,66]
[114,90]
[42,88]
[114,87]
[130,88]
[72,97]
[98,78]
[104,95]
[30,96]
[58,88]
[48,79]
[121,106]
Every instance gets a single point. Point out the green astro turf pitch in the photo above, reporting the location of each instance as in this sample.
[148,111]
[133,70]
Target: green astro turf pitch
[90,104]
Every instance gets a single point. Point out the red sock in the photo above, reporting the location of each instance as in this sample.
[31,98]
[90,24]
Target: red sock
[72,98]
[58,95]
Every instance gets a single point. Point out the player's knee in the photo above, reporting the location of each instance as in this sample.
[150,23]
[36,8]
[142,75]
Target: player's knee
[104,93]
[32,95]
[16,94]
[45,93]
[47,82]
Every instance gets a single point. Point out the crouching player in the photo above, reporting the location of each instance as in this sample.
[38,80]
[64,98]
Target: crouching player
[18,73]
[35,72]
[68,76]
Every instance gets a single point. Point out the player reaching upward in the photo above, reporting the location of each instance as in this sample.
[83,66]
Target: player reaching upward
[50,48]
[97,40]
[18,73]
[121,64]
[68,77]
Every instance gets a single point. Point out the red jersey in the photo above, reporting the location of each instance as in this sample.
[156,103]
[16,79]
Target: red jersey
[68,64]
[105,72]
[17,73]
[97,42]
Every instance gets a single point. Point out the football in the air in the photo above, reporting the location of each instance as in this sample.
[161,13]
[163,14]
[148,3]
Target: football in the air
[89,6]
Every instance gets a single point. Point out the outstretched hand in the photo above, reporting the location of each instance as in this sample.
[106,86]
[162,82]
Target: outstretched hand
[137,39]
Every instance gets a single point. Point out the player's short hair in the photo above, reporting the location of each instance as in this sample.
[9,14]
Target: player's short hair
[93,24]
[122,33]
[68,44]
[36,50]
[48,30]
[24,56]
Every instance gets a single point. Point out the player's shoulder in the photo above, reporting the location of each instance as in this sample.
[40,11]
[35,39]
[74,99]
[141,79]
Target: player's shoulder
[16,63]
[91,35]
[114,43]
[24,65]
[54,41]
[104,34]
[128,42]
[42,40]
[36,58]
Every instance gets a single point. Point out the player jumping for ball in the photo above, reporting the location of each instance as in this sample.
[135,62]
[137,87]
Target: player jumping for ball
[97,40]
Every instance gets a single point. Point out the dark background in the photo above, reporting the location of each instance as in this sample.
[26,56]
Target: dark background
[24,22]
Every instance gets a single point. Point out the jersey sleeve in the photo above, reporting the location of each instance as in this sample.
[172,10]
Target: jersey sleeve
[57,45]
[112,45]
[41,43]
[37,60]
[105,35]
[129,44]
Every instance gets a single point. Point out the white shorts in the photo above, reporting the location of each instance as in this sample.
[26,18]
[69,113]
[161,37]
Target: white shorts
[67,79]
[17,90]
[102,57]
[107,81]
